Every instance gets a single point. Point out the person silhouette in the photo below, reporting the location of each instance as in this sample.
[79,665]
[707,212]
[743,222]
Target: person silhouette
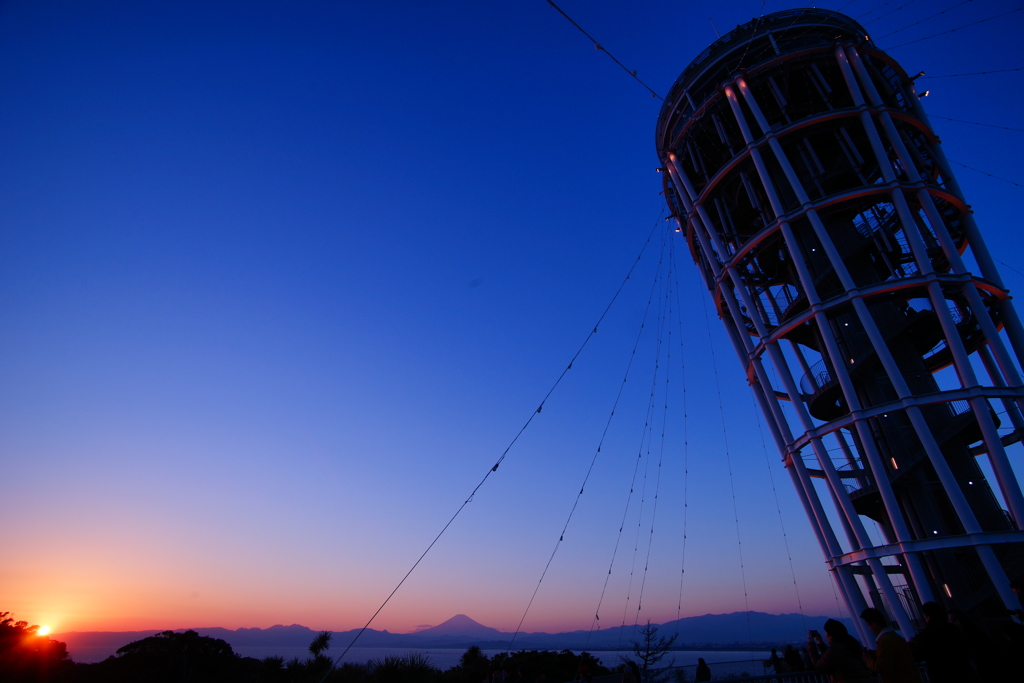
[841,658]
[942,647]
[891,659]
[793,659]
[703,672]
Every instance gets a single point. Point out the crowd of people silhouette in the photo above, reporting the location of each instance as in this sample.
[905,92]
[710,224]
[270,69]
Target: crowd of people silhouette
[951,648]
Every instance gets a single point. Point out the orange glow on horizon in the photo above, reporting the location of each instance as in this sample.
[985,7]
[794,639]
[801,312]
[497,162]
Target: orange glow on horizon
[43,630]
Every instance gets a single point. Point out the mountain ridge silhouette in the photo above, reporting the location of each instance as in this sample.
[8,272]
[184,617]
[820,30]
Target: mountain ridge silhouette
[735,630]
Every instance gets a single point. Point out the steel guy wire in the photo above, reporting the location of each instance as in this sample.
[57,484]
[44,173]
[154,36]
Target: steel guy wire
[990,175]
[602,49]
[1012,268]
[504,453]
[561,536]
[645,438]
[832,582]
[954,30]
[921,21]
[636,466]
[728,462]
[887,13]
[975,123]
[875,9]
[664,323]
[778,508]
[973,73]
[686,437]
[752,36]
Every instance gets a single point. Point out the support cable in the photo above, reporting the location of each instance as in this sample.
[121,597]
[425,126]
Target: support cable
[639,525]
[586,478]
[973,73]
[958,28]
[778,509]
[645,438]
[978,170]
[686,442]
[883,16]
[921,21]
[504,453]
[752,36]
[975,123]
[594,625]
[832,582]
[600,47]
[665,323]
[728,462]
[874,9]
[1013,269]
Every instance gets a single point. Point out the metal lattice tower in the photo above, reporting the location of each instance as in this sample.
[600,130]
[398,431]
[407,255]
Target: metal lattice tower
[827,223]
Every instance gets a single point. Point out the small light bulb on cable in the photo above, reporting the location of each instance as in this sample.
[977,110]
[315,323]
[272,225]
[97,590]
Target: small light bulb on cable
[924,94]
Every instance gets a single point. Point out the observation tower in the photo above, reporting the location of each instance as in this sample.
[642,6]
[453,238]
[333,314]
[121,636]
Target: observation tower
[868,314]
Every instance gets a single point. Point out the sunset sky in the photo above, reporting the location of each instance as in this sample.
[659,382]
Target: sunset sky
[279,282]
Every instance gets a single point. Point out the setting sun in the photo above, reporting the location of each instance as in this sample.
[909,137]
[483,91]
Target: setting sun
[43,630]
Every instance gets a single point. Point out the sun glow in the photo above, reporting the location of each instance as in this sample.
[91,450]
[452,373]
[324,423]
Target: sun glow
[43,630]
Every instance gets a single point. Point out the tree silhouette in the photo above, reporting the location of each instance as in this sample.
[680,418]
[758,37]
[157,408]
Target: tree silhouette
[27,656]
[172,658]
[321,643]
[320,664]
[651,649]
[473,657]
[413,668]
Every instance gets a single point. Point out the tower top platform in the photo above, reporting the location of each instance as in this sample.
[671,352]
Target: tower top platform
[758,40]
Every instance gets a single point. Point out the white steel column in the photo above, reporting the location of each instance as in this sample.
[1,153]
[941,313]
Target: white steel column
[880,475]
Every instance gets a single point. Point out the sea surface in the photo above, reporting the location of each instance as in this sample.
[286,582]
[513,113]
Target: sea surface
[721,661]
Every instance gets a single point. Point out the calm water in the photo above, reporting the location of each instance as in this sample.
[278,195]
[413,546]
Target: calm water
[447,658]
[721,662]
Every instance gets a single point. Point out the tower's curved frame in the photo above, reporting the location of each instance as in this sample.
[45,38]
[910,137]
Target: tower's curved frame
[867,311]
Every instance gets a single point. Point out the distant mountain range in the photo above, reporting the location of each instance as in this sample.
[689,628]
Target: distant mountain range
[710,631]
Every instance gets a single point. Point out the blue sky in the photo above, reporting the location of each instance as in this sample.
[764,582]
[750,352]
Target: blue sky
[280,282]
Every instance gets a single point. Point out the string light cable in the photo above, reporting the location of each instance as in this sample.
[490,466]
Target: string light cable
[990,175]
[504,453]
[686,444]
[958,28]
[778,509]
[921,21]
[639,522]
[667,324]
[883,16]
[973,73]
[752,36]
[975,123]
[728,462]
[835,595]
[595,622]
[599,46]
[586,478]
[645,438]
[1014,270]
[874,9]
